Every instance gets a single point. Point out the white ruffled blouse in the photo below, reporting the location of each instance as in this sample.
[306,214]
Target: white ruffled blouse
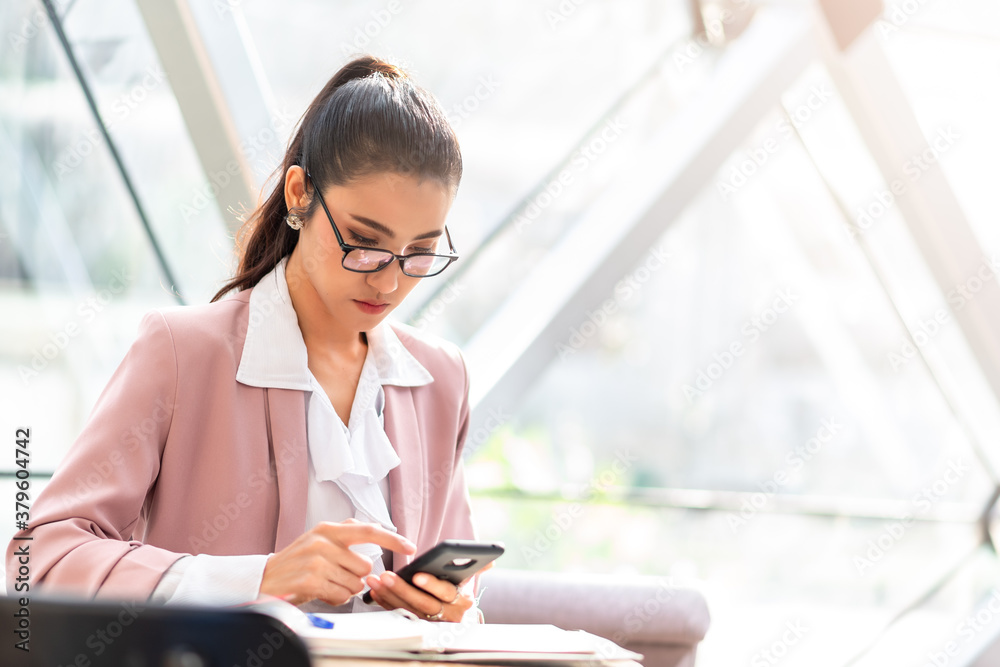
[348,464]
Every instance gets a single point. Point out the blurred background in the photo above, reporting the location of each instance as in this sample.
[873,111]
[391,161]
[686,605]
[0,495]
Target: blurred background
[728,289]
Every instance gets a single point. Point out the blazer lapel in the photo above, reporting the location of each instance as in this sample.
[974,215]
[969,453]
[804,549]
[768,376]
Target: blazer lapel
[406,481]
[289,448]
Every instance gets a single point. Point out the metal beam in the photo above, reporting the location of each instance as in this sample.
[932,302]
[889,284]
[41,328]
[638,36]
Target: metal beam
[57,26]
[249,99]
[888,126]
[513,348]
[216,141]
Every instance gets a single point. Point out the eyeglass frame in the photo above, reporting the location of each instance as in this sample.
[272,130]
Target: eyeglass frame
[348,248]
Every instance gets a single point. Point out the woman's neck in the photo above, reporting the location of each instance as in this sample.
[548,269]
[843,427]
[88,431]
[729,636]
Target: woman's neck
[321,332]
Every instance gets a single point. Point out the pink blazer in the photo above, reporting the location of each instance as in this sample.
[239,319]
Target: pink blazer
[178,458]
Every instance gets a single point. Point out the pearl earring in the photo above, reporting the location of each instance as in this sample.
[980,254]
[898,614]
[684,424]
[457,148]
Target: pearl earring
[294,221]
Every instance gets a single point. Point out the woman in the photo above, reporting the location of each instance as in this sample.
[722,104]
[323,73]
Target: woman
[286,440]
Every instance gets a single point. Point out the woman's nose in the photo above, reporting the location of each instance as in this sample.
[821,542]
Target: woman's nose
[387,280]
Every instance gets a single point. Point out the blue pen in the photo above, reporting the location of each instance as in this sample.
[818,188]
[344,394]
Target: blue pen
[320,622]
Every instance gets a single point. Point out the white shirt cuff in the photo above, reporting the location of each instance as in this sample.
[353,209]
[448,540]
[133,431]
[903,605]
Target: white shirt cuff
[211,580]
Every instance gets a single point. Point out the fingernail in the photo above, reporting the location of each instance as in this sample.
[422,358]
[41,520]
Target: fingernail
[421,579]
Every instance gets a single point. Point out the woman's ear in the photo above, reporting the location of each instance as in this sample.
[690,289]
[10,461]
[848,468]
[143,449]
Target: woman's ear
[296,193]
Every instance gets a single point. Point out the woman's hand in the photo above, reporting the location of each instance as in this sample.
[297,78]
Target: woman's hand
[320,565]
[429,597]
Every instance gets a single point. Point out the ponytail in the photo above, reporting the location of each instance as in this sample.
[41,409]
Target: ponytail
[369,118]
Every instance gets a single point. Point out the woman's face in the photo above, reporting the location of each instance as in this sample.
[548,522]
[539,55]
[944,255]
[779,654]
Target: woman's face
[389,211]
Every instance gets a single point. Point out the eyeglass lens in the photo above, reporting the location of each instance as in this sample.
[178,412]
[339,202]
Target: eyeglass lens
[372,260]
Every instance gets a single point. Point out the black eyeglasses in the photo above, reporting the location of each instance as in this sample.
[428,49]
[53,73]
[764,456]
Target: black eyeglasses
[369,260]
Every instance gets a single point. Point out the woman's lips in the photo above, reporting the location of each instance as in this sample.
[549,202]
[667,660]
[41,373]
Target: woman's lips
[371,308]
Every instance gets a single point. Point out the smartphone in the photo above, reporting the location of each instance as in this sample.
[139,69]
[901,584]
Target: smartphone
[451,560]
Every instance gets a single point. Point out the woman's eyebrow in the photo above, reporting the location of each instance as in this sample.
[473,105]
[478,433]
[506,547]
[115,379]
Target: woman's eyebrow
[382,229]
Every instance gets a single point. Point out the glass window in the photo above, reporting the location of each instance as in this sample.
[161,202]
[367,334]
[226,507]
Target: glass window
[780,409]
[77,268]
[751,416]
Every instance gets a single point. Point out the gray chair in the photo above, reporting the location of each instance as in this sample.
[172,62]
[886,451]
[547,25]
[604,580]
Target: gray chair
[643,614]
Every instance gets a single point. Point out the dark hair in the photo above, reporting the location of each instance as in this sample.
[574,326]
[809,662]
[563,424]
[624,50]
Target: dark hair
[369,118]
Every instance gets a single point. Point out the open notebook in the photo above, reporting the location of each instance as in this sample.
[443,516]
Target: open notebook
[401,635]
